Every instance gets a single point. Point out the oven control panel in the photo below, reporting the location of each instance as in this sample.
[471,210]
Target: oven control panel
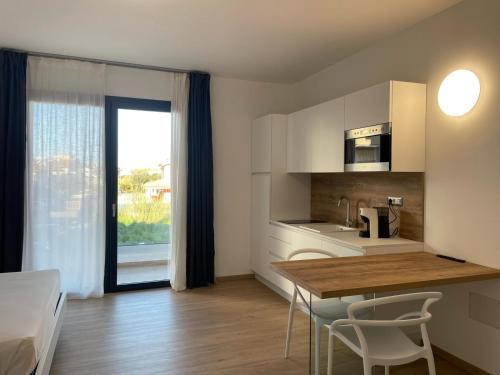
[369,131]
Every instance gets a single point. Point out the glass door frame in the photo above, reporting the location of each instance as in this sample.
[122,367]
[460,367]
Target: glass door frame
[113,104]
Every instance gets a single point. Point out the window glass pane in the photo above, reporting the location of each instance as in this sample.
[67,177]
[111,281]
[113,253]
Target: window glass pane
[143,196]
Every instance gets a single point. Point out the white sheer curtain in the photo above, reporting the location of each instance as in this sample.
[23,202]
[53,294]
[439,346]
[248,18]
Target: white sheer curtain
[65,214]
[179,181]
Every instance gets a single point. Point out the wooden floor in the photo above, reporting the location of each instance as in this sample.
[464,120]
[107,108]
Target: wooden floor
[236,327]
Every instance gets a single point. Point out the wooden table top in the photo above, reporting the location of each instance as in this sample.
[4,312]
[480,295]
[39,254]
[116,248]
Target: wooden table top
[347,276]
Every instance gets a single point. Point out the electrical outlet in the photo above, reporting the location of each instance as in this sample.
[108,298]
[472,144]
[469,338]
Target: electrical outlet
[395,201]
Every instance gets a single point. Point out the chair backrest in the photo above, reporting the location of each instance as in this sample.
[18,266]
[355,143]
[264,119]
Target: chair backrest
[409,319]
[429,297]
[298,252]
[295,253]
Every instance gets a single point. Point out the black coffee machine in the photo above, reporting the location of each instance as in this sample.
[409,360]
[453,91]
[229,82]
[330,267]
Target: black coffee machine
[376,221]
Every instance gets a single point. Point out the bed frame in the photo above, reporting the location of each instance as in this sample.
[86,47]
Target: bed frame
[43,367]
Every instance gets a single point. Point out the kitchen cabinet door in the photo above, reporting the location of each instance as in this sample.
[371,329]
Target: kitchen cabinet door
[281,233]
[305,241]
[316,138]
[278,280]
[298,143]
[278,249]
[368,107]
[326,137]
[261,144]
[261,197]
[338,250]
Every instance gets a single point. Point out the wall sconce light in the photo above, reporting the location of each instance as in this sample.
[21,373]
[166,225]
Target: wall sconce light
[459,92]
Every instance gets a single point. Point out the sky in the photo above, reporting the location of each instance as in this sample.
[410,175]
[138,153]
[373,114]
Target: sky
[143,138]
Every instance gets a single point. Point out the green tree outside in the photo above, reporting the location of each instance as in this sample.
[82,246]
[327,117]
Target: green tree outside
[134,183]
[141,220]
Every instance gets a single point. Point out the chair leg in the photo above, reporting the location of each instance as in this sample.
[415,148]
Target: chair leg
[428,350]
[430,363]
[317,340]
[290,323]
[367,367]
[386,370]
[331,349]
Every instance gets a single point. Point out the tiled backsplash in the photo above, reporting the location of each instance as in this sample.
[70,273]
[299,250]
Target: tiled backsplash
[369,189]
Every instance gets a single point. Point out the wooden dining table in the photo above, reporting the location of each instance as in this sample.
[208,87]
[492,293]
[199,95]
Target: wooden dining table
[348,276]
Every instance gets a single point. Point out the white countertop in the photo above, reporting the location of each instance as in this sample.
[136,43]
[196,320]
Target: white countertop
[352,240]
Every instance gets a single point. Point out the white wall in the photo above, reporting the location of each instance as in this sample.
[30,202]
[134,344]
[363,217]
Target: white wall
[235,103]
[463,154]
[138,83]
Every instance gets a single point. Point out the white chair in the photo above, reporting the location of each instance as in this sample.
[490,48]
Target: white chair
[382,342]
[323,312]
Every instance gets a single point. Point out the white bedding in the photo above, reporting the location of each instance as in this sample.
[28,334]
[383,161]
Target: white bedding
[28,301]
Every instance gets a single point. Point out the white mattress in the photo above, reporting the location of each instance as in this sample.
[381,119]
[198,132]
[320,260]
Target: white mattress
[27,304]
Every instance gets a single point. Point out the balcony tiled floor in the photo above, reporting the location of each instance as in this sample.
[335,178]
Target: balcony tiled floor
[143,263]
[138,273]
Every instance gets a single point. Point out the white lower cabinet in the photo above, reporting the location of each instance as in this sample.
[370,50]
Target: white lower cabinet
[338,250]
[304,241]
[277,280]
[281,233]
[281,241]
[278,249]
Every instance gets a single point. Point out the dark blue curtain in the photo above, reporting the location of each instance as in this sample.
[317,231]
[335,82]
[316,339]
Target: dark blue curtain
[200,201]
[12,158]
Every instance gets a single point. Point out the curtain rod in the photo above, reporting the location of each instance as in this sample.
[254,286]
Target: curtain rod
[107,62]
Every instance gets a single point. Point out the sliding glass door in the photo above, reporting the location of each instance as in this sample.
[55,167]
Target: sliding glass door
[138,193]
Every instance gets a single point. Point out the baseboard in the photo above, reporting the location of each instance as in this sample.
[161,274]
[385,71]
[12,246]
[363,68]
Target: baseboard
[460,363]
[246,276]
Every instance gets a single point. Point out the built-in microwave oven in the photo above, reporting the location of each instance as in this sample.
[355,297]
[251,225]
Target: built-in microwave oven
[368,149]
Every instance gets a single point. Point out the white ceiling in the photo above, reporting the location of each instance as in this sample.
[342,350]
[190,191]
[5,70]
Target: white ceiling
[268,40]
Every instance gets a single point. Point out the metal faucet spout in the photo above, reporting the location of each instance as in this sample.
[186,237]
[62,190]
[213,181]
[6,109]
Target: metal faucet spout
[348,221]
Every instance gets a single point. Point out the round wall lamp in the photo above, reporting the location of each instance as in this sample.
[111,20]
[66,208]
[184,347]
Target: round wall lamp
[459,92]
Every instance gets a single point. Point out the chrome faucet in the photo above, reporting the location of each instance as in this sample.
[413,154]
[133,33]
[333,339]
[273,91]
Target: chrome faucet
[348,221]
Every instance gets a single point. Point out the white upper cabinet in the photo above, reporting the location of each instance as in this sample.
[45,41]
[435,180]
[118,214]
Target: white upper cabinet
[316,139]
[403,105]
[261,145]
[408,111]
[368,107]
[298,138]
[327,137]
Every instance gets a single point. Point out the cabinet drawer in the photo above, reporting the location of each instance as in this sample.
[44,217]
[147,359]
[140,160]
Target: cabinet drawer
[280,233]
[278,280]
[305,241]
[278,249]
[338,250]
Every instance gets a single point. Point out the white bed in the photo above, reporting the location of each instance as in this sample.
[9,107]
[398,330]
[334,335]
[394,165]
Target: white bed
[31,312]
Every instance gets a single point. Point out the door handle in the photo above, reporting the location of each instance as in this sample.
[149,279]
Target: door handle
[113,210]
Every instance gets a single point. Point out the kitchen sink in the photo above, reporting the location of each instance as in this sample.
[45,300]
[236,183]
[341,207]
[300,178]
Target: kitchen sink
[326,228]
